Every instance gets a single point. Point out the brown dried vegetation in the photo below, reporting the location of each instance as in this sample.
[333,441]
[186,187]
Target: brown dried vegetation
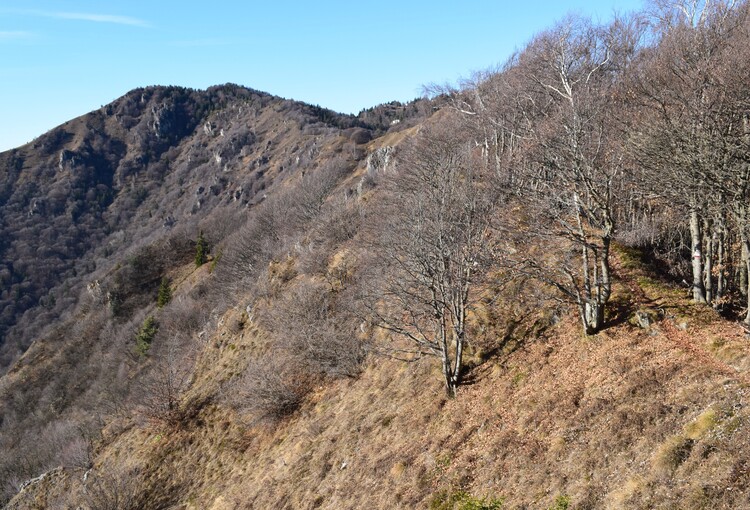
[290,371]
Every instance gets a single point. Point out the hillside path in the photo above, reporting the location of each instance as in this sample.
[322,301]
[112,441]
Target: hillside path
[682,339]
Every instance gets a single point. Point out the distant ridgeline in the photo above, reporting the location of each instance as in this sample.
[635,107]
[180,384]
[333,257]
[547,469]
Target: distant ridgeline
[80,197]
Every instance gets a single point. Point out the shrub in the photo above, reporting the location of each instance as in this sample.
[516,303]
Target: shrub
[201,250]
[339,222]
[309,325]
[562,502]
[163,387]
[113,487]
[186,315]
[462,500]
[272,387]
[673,452]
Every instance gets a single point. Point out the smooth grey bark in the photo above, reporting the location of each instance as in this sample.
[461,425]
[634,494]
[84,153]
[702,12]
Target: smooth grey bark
[597,284]
[745,242]
[708,262]
[745,258]
[699,291]
[721,283]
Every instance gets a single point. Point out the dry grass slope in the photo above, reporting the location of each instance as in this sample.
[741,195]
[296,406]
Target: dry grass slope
[631,418]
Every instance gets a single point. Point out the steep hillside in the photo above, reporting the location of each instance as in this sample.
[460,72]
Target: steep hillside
[532,292]
[158,159]
[634,417]
[96,213]
[649,413]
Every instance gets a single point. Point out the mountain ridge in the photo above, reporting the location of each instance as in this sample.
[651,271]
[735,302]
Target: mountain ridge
[97,169]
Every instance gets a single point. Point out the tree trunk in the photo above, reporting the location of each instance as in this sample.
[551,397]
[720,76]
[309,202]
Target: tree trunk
[593,320]
[450,388]
[744,280]
[699,292]
[456,375]
[606,285]
[708,262]
[721,261]
[445,359]
[746,264]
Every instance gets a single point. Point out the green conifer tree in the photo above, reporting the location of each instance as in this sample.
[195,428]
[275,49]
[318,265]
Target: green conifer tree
[201,250]
[146,335]
[165,293]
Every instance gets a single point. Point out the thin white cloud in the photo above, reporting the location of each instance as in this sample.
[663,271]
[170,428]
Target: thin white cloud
[99,18]
[84,16]
[15,35]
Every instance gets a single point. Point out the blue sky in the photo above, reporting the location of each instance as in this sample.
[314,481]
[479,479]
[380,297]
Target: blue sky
[61,59]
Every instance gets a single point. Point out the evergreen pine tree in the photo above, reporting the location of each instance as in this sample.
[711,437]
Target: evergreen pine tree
[165,293]
[201,250]
[146,335]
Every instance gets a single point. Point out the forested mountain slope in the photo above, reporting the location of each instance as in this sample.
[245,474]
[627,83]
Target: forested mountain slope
[530,292]
[156,159]
[100,209]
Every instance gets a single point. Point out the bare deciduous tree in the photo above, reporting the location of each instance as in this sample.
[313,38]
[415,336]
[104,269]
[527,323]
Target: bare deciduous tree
[434,241]
[570,157]
[168,378]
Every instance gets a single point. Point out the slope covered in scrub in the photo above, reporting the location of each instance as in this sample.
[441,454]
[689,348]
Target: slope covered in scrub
[529,293]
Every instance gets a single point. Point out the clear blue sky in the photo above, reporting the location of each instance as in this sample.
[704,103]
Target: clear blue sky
[60,59]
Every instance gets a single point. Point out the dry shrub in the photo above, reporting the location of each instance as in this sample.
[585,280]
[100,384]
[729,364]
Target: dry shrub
[113,488]
[236,322]
[185,315]
[72,442]
[164,385]
[272,387]
[220,225]
[310,326]
[339,222]
[249,250]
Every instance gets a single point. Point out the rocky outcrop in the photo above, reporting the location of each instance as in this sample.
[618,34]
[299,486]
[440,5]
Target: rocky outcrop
[379,161]
[377,164]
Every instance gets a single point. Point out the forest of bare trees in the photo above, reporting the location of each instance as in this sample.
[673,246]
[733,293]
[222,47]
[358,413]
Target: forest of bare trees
[634,131]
